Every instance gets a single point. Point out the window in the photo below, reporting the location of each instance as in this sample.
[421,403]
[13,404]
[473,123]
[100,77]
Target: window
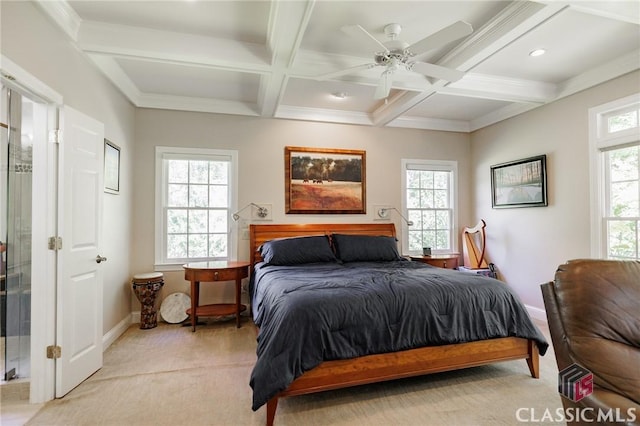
[622,201]
[430,193]
[615,169]
[195,195]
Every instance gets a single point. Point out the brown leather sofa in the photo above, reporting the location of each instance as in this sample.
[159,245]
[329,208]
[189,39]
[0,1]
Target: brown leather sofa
[593,309]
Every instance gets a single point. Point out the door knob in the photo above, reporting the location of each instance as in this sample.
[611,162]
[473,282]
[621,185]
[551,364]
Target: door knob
[100,259]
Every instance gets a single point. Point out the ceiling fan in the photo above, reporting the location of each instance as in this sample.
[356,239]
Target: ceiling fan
[395,54]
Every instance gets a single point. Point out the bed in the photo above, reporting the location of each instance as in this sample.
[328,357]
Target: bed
[290,296]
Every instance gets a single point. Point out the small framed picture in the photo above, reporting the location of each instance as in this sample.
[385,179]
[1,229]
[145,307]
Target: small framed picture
[111,167]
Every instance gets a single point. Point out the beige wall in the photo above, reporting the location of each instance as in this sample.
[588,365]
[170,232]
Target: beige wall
[260,143]
[35,44]
[528,244]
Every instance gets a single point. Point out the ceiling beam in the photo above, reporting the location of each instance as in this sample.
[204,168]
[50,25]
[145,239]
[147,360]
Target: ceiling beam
[114,72]
[171,47]
[501,89]
[189,103]
[63,15]
[287,24]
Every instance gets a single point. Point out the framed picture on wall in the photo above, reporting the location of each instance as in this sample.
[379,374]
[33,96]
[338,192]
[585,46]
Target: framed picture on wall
[324,181]
[521,183]
[111,167]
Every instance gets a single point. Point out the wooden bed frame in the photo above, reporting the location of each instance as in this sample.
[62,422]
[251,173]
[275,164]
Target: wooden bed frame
[389,366]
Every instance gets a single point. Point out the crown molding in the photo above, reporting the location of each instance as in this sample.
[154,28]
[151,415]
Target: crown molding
[499,115]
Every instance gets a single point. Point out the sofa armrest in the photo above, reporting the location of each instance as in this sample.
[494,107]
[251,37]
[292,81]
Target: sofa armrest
[556,328]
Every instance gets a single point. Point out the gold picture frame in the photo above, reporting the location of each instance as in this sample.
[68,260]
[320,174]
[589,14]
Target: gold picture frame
[324,181]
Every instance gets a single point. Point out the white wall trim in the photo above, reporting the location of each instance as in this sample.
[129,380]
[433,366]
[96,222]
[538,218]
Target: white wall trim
[117,331]
[537,313]
[43,288]
[161,152]
[598,140]
[14,75]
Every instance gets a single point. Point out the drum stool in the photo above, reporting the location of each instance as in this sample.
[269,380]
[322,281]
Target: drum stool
[146,288]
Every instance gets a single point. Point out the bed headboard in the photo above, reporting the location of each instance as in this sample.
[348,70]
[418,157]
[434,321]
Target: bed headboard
[259,234]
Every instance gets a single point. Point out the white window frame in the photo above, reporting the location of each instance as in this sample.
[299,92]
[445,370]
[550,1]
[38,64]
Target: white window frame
[161,263]
[601,140]
[433,165]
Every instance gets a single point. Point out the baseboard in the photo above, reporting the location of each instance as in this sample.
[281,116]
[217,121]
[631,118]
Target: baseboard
[537,313]
[135,317]
[117,331]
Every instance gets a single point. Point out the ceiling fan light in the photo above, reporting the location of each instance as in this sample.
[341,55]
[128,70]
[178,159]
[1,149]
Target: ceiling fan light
[392,30]
[537,52]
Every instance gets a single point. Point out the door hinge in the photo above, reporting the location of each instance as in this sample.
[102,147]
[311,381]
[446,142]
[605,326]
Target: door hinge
[55,136]
[55,243]
[54,352]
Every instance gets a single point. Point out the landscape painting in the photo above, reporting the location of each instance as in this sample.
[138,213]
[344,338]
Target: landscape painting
[521,183]
[320,180]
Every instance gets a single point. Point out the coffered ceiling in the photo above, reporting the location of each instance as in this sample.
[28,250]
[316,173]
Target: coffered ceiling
[265,58]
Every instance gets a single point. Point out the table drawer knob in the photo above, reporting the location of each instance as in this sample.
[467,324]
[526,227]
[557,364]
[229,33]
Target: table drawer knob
[215,276]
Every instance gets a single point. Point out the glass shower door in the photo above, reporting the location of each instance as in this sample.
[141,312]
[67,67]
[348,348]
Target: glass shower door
[16,167]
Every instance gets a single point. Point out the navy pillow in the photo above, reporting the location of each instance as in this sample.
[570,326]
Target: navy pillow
[298,250]
[365,248]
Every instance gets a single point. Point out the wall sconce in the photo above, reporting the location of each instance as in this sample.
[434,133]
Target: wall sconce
[262,212]
[383,213]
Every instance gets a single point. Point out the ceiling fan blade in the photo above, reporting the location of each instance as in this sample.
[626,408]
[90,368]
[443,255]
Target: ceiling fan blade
[356,31]
[334,74]
[437,71]
[440,38]
[384,85]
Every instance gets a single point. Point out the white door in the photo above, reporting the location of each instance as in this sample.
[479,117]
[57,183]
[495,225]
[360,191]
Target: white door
[79,292]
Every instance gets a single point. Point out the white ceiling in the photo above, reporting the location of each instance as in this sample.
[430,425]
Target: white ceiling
[262,58]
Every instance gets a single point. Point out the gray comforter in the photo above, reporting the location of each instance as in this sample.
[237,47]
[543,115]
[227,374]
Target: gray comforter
[311,313]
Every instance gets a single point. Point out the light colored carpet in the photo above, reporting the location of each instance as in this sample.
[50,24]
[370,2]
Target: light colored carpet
[171,376]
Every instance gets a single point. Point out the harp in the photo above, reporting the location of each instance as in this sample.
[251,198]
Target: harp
[472,238]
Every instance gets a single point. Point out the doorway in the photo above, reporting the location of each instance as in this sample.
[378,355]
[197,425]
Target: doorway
[16,191]
[52,323]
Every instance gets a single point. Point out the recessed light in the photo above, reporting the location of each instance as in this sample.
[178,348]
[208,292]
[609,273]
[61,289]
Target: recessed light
[339,95]
[537,52]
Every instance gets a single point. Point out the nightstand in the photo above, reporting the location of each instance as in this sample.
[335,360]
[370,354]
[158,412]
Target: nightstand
[447,261]
[217,271]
